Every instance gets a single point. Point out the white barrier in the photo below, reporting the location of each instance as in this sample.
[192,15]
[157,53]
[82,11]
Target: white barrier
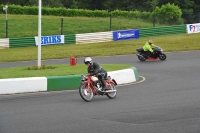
[36,84]
[4,43]
[94,37]
[123,76]
[21,85]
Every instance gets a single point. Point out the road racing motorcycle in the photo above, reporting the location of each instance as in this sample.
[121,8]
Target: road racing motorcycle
[157,54]
[91,86]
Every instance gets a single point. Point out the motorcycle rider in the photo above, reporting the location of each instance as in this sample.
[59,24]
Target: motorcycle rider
[95,69]
[148,48]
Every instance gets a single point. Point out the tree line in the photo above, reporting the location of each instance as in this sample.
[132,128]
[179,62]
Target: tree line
[188,7]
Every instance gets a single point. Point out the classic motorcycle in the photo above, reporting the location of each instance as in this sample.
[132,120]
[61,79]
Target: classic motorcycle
[91,86]
[158,54]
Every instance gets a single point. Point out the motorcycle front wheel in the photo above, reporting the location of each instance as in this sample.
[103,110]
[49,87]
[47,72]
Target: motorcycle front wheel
[112,95]
[86,93]
[141,58]
[162,56]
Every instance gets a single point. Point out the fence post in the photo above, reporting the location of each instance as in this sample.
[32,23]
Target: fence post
[109,11]
[61,30]
[199,17]
[6,28]
[110,22]
[5,8]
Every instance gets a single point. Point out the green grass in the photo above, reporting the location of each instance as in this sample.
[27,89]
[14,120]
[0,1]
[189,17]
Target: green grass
[59,70]
[177,42]
[27,25]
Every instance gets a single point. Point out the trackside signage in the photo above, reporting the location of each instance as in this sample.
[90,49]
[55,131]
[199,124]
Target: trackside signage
[125,35]
[47,40]
[193,28]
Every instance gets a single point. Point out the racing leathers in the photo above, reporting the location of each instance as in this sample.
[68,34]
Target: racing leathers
[96,69]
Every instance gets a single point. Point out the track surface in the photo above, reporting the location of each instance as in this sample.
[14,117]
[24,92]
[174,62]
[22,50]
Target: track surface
[168,101]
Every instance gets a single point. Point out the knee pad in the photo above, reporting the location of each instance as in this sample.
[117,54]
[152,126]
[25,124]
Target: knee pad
[100,77]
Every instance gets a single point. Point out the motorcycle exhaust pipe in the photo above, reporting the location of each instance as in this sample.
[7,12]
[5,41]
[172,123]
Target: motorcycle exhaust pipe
[139,55]
[109,91]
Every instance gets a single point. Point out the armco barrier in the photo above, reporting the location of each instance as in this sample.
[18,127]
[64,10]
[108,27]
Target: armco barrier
[70,39]
[86,38]
[4,43]
[53,83]
[22,42]
[30,41]
[94,37]
[125,76]
[163,30]
[21,85]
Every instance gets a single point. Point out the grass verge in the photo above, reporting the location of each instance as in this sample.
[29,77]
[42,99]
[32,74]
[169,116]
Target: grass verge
[177,42]
[58,70]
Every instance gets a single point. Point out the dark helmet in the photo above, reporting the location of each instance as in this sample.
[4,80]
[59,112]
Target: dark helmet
[88,60]
[150,41]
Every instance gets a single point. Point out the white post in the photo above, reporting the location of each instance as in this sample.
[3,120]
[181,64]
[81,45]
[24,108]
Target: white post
[39,32]
[5,8]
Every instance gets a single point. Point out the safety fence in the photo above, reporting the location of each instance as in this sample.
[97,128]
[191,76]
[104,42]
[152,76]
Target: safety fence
[164,30]
[94,37]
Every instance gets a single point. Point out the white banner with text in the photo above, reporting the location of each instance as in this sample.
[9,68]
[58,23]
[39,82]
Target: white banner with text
[48,40]
[193,28]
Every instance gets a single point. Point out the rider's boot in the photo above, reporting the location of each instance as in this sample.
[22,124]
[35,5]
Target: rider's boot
[103,85]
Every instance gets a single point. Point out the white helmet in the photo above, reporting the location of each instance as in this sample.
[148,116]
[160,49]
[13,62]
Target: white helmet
[150,41]
[88,60]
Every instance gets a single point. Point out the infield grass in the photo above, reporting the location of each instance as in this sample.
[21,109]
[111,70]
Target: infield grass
[58,70]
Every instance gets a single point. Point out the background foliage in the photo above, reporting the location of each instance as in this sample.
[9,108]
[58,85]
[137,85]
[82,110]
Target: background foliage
[171,12]
[189,8]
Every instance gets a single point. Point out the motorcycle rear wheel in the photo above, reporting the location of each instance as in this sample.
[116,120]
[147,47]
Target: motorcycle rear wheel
[86,93]
[162,56]
[112,95]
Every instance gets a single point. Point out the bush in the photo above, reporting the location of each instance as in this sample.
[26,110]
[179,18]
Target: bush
[40,68]
[170,12]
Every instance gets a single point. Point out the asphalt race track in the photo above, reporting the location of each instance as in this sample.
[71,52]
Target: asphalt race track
[167,101]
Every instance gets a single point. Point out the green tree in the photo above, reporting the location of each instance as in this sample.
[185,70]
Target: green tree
[52,3]
[153,4]
[187,7]
[73,4]
[197,10]
[91,4]
[49,3]
[169,13]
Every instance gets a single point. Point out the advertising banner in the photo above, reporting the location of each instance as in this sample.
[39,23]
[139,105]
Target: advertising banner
[193,28]
[47,40]
[125,34]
